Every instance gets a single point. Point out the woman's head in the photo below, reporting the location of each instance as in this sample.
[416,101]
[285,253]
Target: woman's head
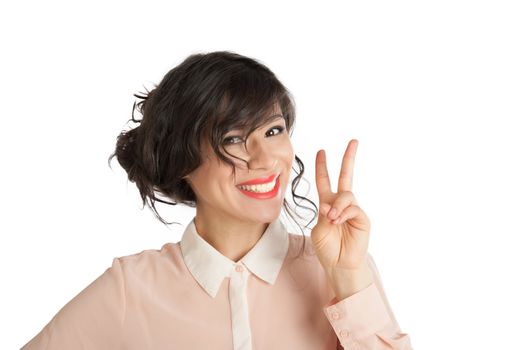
[266,154]
[186,120]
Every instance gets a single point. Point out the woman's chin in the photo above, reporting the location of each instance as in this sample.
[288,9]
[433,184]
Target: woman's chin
[265,216]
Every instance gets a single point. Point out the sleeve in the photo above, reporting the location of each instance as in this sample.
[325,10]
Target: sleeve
[93,319]
[365,320]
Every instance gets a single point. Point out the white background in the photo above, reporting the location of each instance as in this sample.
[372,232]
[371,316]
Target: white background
[433,91]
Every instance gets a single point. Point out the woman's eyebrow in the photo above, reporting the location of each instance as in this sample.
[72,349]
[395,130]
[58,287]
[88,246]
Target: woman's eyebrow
[276,116]
[273,119]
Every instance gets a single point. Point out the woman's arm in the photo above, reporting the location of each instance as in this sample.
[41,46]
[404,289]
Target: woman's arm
[91,320]
[365,319]
[360,313]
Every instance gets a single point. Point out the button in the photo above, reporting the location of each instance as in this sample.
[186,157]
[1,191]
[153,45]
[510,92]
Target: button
[239,268]
[344,333]
[335,315]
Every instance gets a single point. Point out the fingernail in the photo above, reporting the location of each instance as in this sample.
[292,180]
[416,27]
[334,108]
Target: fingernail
[332,213]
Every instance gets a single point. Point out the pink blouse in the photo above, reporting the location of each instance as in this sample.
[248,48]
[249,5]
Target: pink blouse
[187,295]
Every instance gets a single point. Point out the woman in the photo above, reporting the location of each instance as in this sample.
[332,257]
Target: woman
[215,135]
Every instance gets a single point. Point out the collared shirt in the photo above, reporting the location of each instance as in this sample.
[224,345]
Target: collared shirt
[187,295]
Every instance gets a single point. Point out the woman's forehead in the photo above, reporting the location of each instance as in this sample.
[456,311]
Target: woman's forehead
[273,113]
[268,117]
[276,108]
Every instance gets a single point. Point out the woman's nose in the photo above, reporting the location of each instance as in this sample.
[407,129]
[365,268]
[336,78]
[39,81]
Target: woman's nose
[261,157]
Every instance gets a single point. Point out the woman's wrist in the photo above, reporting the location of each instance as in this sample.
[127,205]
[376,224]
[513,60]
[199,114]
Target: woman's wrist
[346,282]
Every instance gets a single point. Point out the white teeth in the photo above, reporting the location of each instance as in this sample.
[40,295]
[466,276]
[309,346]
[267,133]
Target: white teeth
[260,188]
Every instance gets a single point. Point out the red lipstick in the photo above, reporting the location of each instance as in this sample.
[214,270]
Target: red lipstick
[267,195]
[259,180]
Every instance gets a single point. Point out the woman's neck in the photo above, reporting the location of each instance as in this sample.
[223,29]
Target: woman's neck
[230,236]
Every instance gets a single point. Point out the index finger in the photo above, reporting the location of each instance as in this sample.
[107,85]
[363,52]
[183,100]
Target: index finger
[323,182]
[347,170]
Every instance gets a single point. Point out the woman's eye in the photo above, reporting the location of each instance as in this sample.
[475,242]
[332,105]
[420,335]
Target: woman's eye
[278,127]
[231,139]
[228,140]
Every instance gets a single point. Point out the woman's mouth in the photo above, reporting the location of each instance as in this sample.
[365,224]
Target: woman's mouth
[261,191]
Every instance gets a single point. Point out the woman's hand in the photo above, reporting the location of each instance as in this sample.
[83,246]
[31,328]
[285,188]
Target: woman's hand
[341,235]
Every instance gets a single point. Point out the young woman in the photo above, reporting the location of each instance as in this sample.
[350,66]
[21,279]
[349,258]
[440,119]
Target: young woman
[215,135]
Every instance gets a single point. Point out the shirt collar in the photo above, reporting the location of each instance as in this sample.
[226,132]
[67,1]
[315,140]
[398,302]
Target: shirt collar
[209,267]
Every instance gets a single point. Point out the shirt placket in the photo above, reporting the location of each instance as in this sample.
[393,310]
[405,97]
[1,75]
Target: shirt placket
[237,293]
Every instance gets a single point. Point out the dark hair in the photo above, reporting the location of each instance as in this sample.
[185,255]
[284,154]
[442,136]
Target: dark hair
[202,98]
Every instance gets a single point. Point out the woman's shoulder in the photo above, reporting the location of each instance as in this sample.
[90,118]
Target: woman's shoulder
[297,238]
[148,260]
[299,243]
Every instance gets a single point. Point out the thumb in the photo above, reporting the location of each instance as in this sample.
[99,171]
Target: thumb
[324,208]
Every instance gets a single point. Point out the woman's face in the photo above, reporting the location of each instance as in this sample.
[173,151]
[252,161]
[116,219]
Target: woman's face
[269,153]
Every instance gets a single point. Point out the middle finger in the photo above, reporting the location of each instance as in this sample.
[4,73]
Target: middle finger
[346,172]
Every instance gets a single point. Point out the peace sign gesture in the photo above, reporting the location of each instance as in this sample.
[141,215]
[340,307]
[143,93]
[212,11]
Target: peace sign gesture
[341,235]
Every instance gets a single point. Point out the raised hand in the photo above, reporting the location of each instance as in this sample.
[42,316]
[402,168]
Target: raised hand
[341,235]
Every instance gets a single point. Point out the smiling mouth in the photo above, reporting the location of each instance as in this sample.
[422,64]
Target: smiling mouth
[260,181]
[260,188]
